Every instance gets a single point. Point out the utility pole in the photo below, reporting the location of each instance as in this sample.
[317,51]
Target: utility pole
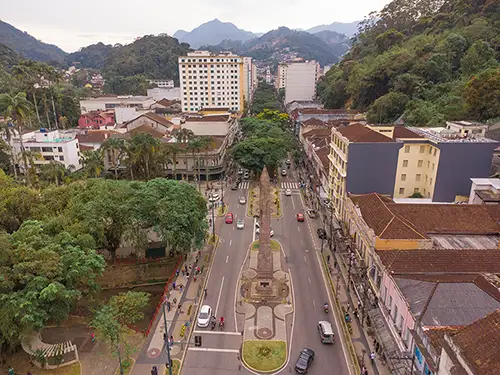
[169,360]
[213,217]
[120,359]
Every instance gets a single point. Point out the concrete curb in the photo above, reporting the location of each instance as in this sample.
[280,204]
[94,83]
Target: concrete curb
[273,371]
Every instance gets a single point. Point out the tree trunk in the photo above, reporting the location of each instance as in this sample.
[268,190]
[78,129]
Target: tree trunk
[175,166]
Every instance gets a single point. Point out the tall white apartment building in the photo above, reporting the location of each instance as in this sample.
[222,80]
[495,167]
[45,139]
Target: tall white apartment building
[281,76]
[300,81]
[250,77]
[211,81]
[255,80]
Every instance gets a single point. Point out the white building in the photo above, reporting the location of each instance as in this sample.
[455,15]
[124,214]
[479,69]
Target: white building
[162,83]
[269,78]
[211,81]
[164,93]
[249,78]
[281,76]
[50,146]
[300,81]
[485,191]
[110,102]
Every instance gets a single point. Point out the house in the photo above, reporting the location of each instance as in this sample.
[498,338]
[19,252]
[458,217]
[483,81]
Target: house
[485,191]
[97,119]
[316,144]
[157,122]
[93,139]
[113,101]
[166,106]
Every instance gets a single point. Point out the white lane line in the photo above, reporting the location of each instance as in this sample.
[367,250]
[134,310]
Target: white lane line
[293,203]
[298,228]
[227,258]
[218,333]
[309,279]
[305,259]
[220,293]
[214,350]
[230,242]
[254,222]
[314,304]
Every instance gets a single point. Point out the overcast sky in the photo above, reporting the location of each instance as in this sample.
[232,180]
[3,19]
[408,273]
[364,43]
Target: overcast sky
[76,23]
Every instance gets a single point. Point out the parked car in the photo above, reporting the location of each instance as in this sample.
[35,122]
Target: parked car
[288,162]
[242,200]
[213,197]
[311,214]
[204,316]
[229,218]
[306,357]
[246,176]
[322,234]
[288,192]
[283,172]
[240,171]
[300,217]
[240,224]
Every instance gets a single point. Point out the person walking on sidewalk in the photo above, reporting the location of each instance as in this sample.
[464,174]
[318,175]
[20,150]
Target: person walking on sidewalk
[372,357]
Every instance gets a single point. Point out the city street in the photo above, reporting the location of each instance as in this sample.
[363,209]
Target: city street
[219,353]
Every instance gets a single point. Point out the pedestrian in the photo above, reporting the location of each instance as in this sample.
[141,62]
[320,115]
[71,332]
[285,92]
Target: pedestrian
[177,273]
[11,371]
[154,370]
[179,307]
[180,287]
[92,336]
[335,264]
[168,306]
[183,272]
[173,285]
[348,306]
[174,300]
[328,258]
[355,312]
[372,357]
[186,268]
[205,291]
[165,337]
[377,347]
[196,260]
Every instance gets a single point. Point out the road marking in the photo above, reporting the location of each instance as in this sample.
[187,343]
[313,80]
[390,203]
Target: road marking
[230,242]
[305,259]
[314,304]
[254,223]
[215,350]
[227,258]
[309,279]
[220,293]
[293,203]
[218,333]
[298,229]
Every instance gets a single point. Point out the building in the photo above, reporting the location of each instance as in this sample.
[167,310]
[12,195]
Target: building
[217,125]
[48,146]
[173,93]
[93,139]
[162,83]
[157,122]
[280,81]
[300,81]
[103,103]
[211,81]
[472,350]
[269,77]
[249,79]
[467,128]
[97,119]
[300,114]
[485,191]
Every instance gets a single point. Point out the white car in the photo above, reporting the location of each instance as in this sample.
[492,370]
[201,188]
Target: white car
[213,197]
[240,224]
[288,192]
[204,316]
[243,200]
[257,231]
[283,172]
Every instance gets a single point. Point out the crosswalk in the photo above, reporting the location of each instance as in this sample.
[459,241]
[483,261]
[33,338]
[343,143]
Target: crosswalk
[244,185]
[289,185]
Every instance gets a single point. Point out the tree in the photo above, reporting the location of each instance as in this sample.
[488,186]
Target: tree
[274,116]
[388,39]
[172,150]
[478,57]
[114,146]
[53,172]
[8,131]
[92,162]
[183,136]
[387,108]
[143,148]
[256,153]
[43,277]
[5,156]
[482,95]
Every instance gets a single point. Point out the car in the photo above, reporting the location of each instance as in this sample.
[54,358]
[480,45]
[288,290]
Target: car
[213,197]
[240,171]
[257,225]
[242,200]
[311,214]
[234,187]
[204,316]
[326,334]
[283,172]
[240,224]
[300,217]
[257,231]
[229,218]
[321,234]
[288,192]
[246,176]
[306,357]
[288,162]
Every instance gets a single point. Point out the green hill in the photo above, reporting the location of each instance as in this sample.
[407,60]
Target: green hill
[428,60]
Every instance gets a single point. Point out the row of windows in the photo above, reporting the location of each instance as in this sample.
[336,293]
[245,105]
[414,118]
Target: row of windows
[426,193]
[190,84]
[206,77]
[192,109]
[189,71]
[418,178]
[210,60]
[420,164]
[49,158]
[422,150]
[46,149]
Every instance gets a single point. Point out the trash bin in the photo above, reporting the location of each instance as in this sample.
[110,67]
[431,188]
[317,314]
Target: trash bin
[197,341]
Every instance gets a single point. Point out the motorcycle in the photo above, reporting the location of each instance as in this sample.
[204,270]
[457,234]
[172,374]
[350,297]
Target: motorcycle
[221,325]
[326,308]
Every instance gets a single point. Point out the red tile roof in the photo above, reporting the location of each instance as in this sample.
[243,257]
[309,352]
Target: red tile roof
[86,148]
[95,136]
[157,118]
[403,132]
[313,122]
[215,118]
[434,261]
[167,102]
[146,129]
[479,344]
[391,220]
[362,134]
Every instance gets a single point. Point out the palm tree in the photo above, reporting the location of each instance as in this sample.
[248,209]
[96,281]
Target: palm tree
[173,151]
[209,145]
[144,147]
[8,131]
[196,145]
[53,172]
[184,136]
[18,109]
[115,147]
[30,166]
[161,160]
[92,162]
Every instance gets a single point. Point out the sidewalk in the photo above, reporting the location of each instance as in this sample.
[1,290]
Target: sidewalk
[181,314]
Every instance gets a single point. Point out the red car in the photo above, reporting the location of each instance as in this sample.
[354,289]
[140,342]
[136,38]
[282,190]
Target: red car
[300,217]
[229,218]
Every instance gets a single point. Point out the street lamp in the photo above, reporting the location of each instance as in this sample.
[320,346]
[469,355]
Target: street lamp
[212,203]
[120,359]
[169,360]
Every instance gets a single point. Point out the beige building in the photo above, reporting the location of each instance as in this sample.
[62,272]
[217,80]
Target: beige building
[249,78]
[300,80]
[209,80]
[280,81]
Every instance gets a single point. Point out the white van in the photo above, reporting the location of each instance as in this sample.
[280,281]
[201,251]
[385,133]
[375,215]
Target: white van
[326,332]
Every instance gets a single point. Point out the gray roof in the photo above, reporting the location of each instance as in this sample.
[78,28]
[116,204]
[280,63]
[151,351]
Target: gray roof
[446,303]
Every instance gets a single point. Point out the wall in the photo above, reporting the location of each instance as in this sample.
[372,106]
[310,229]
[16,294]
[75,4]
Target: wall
[459,162]
[381,244]
[300,82]
[127,274]
[161,93]
[208,128]
[371,167]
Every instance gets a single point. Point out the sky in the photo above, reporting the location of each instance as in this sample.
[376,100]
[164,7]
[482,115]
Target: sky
[75,24]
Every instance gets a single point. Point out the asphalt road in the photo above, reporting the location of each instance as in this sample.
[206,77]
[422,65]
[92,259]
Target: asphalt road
[219,351]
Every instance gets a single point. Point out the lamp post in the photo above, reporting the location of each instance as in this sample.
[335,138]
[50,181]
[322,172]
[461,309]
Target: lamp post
[213,216]
[167,345]
[120,359]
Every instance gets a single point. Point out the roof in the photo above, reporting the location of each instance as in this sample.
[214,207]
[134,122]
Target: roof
[167,103]
[391,220]
[440,261]
[146,129]
[157,118]
[313,121]
[318,132]
[403,132]
[216,118]
[479,344]
[359,133]
[86,148]
[94,136]
[323,157]
[325,111]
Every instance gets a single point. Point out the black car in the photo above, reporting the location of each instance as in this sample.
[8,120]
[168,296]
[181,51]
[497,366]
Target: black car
[305,359]
[322,234]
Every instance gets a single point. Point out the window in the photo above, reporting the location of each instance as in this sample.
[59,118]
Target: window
[435,151]
[401,191]
[430,150]
[46,149]
[422,149]
[418,177]
[428,164]
[61,158]
[416,190]
[59,149]
[420,163]
[403,177]
[433,166]
[407,149]
[430,181]
[405,163]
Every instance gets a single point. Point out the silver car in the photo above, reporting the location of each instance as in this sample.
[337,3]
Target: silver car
[243,200]
[204,316]
[240,224]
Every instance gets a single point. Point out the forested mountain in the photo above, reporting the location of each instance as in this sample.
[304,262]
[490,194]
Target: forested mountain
[431,60]
[28,46]
[8,57]
[93,56]
[212,33]
[275,43]
[349,28]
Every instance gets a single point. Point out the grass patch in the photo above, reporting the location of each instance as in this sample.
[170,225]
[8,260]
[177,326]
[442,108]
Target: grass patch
[264,356]
[127,364]
[213,241]
[176,366]
[222,210]
[275,246]
[255,245]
